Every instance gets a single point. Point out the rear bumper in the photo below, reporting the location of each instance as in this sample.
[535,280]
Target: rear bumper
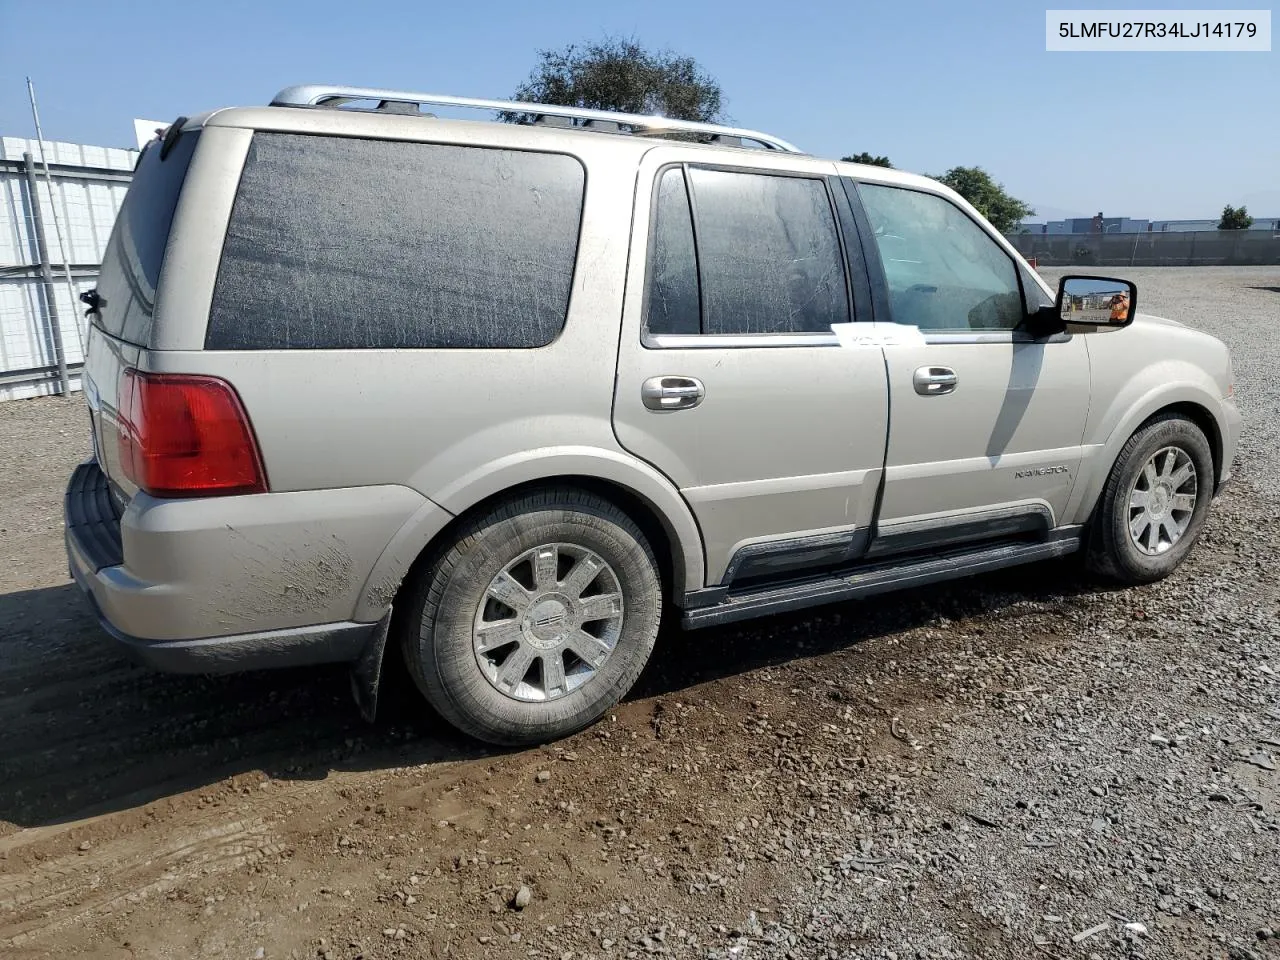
[294,647]
[198,569]
[291,647]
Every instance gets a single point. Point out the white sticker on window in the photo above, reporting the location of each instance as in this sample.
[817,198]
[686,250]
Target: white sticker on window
[876,335]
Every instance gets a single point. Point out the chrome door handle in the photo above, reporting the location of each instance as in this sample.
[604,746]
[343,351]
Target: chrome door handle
[935,381]
[672,393]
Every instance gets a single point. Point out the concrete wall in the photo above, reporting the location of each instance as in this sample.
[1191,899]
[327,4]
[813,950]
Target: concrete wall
[1128,225]
[1201,248]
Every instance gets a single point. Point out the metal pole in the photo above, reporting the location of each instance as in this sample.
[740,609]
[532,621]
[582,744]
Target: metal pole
[53,205]
[46,272]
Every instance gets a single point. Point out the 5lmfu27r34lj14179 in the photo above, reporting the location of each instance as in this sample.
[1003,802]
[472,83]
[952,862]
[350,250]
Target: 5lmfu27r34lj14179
[505,394]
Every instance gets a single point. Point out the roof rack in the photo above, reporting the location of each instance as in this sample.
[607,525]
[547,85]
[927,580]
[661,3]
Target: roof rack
[320,95]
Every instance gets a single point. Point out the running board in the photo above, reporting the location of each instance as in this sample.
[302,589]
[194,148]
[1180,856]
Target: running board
[882,578]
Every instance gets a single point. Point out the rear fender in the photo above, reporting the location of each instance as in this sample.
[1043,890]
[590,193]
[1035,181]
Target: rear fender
[633,476]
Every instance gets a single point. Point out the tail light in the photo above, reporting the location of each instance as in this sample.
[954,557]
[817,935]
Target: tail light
[183,435]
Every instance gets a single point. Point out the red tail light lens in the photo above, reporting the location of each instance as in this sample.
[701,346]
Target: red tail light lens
[183,435]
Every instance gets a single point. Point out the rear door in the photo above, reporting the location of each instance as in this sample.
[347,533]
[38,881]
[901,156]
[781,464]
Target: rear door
[987,420]
[730,380]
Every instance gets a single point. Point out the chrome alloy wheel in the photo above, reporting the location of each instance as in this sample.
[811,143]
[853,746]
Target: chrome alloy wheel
[548,622]
[1162,500]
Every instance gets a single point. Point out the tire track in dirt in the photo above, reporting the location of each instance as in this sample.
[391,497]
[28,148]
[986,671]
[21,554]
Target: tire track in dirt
[66,876]
[130,869]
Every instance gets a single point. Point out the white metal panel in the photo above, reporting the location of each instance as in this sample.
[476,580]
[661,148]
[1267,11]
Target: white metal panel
[73,154]
[15,237]
[86,209]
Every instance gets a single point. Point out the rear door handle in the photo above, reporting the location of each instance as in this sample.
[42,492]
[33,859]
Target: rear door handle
[935,381]
[672,393]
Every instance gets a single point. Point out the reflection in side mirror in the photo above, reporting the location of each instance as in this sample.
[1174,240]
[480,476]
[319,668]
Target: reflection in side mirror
[1099,301]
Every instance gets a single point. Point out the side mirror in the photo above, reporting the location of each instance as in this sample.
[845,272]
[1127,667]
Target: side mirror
[1098,301]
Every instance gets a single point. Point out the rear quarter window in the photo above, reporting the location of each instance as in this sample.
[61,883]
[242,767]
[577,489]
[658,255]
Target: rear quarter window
[135,253]
[338,243]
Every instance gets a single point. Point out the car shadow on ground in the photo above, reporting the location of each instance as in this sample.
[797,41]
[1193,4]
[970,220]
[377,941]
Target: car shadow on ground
[84,731]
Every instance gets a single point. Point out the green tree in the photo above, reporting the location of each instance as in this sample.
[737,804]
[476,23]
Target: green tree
[868,159]
[621,75]
[990,198]
[1235,218]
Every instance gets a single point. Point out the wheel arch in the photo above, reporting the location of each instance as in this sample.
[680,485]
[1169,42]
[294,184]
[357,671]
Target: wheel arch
[652,502]
[1186,400]
[1202,418]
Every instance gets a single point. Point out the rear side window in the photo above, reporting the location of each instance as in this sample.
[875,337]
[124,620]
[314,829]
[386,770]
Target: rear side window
[673,287]
[769,254]
[339,243]
[767,258]
[135,253]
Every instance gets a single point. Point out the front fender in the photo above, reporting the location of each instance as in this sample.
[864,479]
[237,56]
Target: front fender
[1140,400]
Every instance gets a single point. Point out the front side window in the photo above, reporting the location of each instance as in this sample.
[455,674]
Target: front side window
[944,271]
[767,257]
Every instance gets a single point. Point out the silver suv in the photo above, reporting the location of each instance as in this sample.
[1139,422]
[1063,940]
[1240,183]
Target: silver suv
[506,394]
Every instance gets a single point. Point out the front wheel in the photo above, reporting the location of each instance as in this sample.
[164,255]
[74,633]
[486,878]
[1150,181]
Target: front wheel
[537,619]
[1154,503]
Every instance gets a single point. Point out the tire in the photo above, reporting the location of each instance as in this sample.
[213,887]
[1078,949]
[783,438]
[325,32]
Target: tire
[1112,551]
[546,543]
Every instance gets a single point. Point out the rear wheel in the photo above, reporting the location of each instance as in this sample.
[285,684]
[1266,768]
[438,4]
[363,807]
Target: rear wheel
[1155,502]
[536,620]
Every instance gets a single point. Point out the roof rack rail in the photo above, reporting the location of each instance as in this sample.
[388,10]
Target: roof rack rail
[321,95]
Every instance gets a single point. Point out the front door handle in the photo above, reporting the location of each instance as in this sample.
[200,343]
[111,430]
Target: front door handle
[672,393]
[935,381]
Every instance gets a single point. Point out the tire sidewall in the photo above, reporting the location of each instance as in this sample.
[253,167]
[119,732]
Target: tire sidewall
[1173,432]
[446,650]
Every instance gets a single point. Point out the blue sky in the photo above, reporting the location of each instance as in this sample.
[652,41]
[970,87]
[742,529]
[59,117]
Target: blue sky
[932,85]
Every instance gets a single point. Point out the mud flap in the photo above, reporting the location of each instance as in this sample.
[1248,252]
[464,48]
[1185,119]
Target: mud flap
[366,672]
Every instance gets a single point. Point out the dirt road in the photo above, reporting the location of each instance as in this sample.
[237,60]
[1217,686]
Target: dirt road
[990,769]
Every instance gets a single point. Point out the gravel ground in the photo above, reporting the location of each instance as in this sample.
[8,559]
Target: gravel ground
[1018,765]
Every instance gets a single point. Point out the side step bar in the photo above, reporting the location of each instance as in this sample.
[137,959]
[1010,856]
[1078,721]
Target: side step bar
[882,578]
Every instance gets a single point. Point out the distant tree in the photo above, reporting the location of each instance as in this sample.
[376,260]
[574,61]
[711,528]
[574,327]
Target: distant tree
[868,159]
[992,201]
[1235,218]
[621,75]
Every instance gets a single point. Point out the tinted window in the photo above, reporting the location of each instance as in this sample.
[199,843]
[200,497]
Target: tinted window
[768,254]
[1034,295]
[673,271]
[343,243]
[944,271]
[135,253]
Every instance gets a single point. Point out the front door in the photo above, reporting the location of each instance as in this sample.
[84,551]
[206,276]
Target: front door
[730,380]
[987,421]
